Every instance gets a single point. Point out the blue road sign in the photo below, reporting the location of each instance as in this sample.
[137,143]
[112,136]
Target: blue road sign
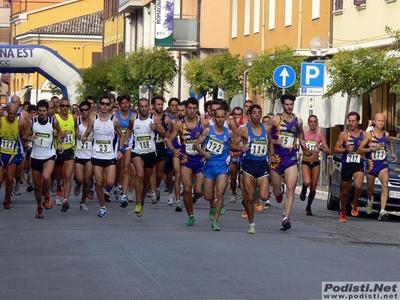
[284,76]
[312,75]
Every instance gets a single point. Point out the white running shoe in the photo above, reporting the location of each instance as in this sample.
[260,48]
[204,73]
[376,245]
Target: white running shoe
[233,198]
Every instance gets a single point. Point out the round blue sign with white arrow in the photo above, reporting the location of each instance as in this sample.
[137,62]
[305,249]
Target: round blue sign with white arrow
[284,76]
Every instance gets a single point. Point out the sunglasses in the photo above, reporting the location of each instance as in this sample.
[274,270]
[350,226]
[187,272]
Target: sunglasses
[65,105]
[104,103]
[85,110]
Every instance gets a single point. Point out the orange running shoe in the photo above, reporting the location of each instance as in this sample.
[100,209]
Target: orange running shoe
[244,214]
[354,209]
[60,191]
[39,212]
[259,206]
[47,203]
[343,216]
[6,204]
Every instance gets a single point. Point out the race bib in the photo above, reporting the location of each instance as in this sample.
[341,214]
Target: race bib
[8,144]
[103,146]
[378,154]
[42,140]
[353,158]
[144,143]
[189,147]
[215,146]
[86,146]
[258,148]
[287,140]
[68,138]
[311,145]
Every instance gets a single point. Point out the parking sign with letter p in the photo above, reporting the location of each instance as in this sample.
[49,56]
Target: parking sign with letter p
[312,75]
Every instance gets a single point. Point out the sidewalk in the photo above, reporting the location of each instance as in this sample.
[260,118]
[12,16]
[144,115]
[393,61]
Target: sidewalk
[322,192]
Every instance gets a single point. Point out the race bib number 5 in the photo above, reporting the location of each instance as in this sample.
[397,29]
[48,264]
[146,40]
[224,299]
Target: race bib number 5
[287,140]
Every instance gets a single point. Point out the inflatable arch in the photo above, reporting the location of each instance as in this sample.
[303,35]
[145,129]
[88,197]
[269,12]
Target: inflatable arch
[45,61]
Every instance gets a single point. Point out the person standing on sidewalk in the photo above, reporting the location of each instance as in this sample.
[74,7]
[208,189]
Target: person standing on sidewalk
[285,129]
[310,165]
[375,145]
[352,163]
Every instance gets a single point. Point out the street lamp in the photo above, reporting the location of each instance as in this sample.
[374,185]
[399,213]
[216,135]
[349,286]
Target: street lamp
[248,57]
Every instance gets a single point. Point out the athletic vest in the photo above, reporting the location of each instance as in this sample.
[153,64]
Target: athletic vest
[312,143]
[160,140]
[9,137]
[288,131]
[217,144]
[189,136]
[104,139]
[43,145]
[143,136]
[258,144]
[68,126]
[124,126]
[83,150]
[353,157]
[380,154]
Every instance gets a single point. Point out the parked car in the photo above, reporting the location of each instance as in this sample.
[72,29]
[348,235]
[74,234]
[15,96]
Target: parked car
[393,204]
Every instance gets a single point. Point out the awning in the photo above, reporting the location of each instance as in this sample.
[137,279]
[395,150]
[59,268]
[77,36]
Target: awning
[21,93]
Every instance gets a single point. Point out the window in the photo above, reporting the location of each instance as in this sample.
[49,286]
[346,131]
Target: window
[247,17]
[315,9]
[359,2]
[271,15]
[288,12]
[256,19]
[338,5]
[234,18]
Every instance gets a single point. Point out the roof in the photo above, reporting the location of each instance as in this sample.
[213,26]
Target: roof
[91,24]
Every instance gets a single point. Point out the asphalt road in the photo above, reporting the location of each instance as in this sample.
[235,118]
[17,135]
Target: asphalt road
[77,255]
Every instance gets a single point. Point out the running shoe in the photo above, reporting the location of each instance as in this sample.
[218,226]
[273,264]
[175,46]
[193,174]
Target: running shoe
[215,226]
[83,207]
[179,206]
[303,193]
[58,201]
[139,209]
[280,197]
[252,229]
[6,205]
[25,177]
[259,206]
[191,221]
[16,191]
[130,197]
[212,214]
[116,193]
[196,197]
[383,215]
[239,194]
[286,224]
[223,209]
[343,216]
[233,198]
[77,190]
[171,199]
[267,205]
[47,203]
[368,208]
[244,214]
[107,197]
[39,212]
[154,199]
[53,186]
[149,193]
[124,202]
[91,194]
[308,211]
[65,205]
[354,209]
[158,195]
[60,191]
[165,188]
[103,212]
[29,188]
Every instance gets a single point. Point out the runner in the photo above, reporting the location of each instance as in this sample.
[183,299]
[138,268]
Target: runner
[310,165]
[352,163]
[234,167]
[375,145]
[106,130]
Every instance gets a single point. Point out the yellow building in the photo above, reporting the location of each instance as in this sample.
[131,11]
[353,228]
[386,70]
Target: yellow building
[73,29]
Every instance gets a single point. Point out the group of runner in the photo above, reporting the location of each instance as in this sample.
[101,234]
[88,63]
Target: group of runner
[118,150]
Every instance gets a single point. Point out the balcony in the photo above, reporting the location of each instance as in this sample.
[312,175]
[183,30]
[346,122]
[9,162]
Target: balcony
[128,6]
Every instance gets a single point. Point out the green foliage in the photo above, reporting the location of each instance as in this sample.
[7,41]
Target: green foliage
[219,69]
[124,73]
[392,71]
[55,90]
[260,75]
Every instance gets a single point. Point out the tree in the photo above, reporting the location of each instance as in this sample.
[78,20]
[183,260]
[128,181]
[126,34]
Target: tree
[261,73]
[216,70]
[392,71]
[354,72]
